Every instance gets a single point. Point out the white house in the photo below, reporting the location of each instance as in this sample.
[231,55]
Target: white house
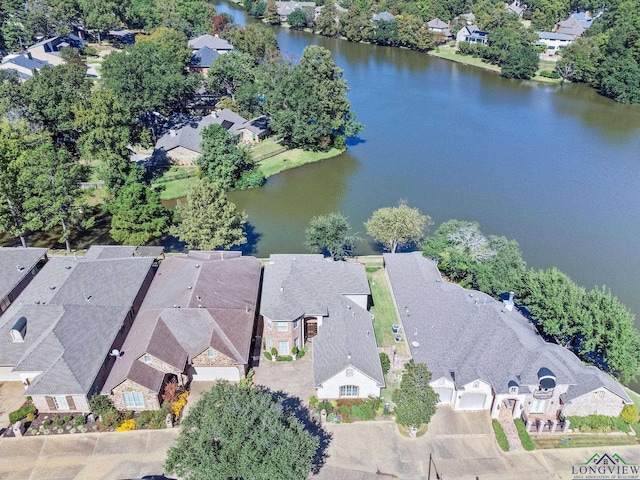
[554,42]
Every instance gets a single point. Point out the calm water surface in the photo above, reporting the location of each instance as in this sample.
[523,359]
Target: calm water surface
[556,168]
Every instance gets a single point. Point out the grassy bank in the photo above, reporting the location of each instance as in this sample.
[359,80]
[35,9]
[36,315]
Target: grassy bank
[292,159]
[450,54]
[574,440]
[176,182]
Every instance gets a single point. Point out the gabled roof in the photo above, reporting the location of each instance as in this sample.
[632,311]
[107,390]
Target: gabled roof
[386,16]
[203,58]
[74,309]
[196,301]
[437,23]
[211,41]
[298,284]
[287,8]
[345,340]
[186,130]
[465,335]
[15,265]
[515,8]
[23,61]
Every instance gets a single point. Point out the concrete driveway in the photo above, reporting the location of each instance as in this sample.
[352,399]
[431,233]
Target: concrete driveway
[293,378]
[11,399]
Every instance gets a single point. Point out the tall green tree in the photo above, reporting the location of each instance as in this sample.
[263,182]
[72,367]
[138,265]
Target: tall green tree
[50,179]
[415,399]
[256,39]
[137,215]
[208,220]
[271,15]
[330,234]
[327,23]
[399,226]
[232,72]
[99,16]
[171,42]
[223,161]
[297,19]
[51,94]
[238,431]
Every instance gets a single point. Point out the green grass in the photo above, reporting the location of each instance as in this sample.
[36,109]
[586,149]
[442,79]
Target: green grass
[293,158]
[582,440]
[525,438]
[636,400]
[500,435]
[268,145]
[176,182]
[383,309]
[386,394]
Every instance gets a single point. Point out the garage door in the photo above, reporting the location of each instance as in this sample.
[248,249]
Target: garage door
[210,374]
[472,401]
[445,395]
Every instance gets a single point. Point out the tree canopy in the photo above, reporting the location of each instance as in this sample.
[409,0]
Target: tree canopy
[330,234]
[208,220]
[415,399]
[238,431]
[399,226]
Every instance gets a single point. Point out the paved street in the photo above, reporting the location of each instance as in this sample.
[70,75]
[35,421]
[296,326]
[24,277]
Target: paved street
[462,446]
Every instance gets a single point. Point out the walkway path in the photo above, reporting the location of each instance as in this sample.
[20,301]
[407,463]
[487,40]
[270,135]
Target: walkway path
[508,425]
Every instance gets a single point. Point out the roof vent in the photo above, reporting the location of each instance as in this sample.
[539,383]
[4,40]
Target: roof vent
[175,306]
[198,297]
[199,305]
[348,356]
[68,267]
[19,268]
[197,265]
[19,330]
[87,297]
[189,287]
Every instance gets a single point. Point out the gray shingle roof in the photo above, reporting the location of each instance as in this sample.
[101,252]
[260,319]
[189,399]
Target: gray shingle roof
[294,285]
[186,130]
[553,36]
[74,310]
[196,301]
[15,265]
[211,41]
[437,23]
[346,339]
[287,8]
[386,16]
[470,334]
[26,62]
[203,58]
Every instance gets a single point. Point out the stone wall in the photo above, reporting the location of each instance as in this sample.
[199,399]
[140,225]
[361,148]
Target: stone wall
[151,399]
[597,402]
[220,360]
[161,365]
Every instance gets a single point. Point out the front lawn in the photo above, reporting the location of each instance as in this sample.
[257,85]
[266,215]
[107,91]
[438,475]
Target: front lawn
[501,437]
[176,182]
[574,440]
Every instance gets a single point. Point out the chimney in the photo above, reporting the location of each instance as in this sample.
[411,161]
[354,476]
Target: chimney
[508,304]
[214,114]
[511,294]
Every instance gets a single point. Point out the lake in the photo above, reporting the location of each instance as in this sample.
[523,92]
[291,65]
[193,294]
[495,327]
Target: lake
[556,168]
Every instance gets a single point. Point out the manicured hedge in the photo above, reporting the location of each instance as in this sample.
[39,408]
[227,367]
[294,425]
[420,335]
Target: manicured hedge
[22,413]
[598,423]
[500,435]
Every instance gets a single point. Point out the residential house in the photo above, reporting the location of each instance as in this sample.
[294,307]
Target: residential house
[484,355]
[48,50]
[201,60]
[438,26]
[121,36]
[306,298]
[180,139]
[196,323]
[23,65]
[575,25]
[61,335]
[18,267]
[471,34]
[515,7]
[287,8]
[553,42]
[385,16]
[318,10]
[466,18]
[214,42]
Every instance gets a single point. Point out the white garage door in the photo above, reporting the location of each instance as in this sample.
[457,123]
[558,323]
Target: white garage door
[7,376]
[472,401]
[210,374]
[445,395]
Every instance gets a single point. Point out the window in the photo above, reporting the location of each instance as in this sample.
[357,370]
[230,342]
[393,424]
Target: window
[441,381]
[347,391]
[211,353]
[60,402]
[5,304]
[476,384]
[513,389]
[269,324]
[282,326]
[133,399]
[349,372]
[283,348]
[146,358]
[269,344]
[296,343]
[599,395]
[295,323]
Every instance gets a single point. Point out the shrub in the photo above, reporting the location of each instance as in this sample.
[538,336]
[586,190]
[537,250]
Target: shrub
[90,51]
[59,421]
[301,352]
[68,418]
[500,435]
[179,404]
[110,418]
[313,401]
[159,416]
[385,363]
[22,413]
[294,350]
[284,358]
[171,391]
[598,423]
[525,438]
[549,74]
[144,419]
[80,420]
[30,417]
[47,422]
[267,355]
[127,415]
[364,411]
[274,352]
[250,179]
[100,404]
[325,406]
[127,425]
[629,414]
